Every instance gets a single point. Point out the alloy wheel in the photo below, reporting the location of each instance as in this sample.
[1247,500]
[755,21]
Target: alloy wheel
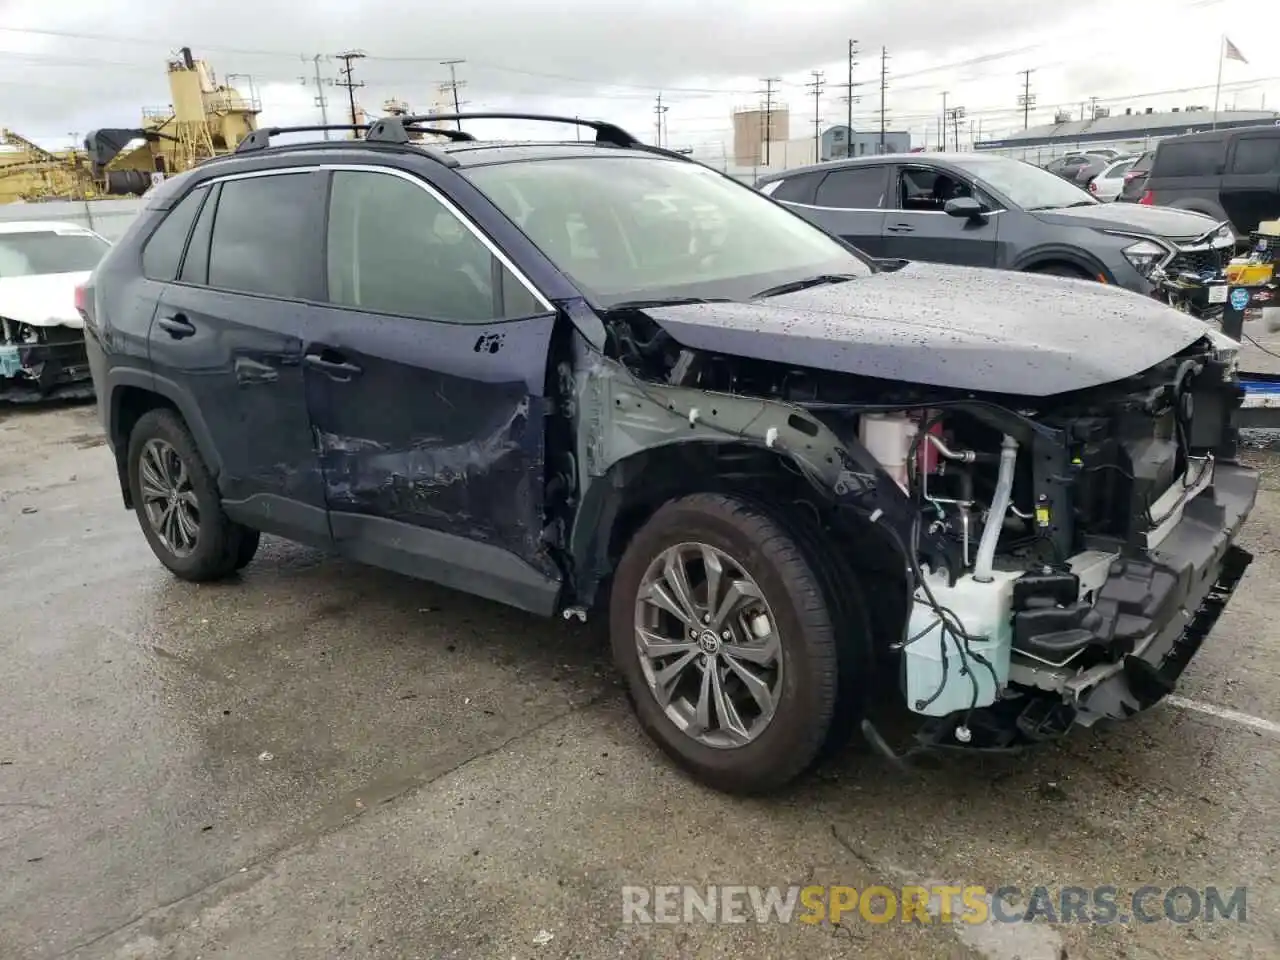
[168,498]
[708,645]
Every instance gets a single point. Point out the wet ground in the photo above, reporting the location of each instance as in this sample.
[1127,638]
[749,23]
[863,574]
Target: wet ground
[324,760]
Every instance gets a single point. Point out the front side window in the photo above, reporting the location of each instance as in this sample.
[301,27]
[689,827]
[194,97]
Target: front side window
[394,248]
[1023,184]
[797,189]
[32,253]
[1256,155]
[1188,158]
[638,228]
[257,230]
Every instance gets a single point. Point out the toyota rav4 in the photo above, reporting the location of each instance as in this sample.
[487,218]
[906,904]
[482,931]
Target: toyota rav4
[804,487]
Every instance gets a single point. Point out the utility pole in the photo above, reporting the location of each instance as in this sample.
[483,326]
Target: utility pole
[816,85]
[884,85]
[659,110]
[349,83]
[942,129]
[321,100]
[1026,99]
[848,97]
[955,115]
[768,113]
[453,85]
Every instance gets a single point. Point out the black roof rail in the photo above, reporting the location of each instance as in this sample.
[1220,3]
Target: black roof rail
[605,132]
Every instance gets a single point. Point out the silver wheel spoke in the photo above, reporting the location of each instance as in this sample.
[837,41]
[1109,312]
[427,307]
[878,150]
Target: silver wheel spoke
[659,597]
[186,525]
[762,654]
[725,709]
[189,497]
[677,578]
[702,717]
[665,681]
[655,645]
[152,485]
[739,592]
[758,689]
[714,570]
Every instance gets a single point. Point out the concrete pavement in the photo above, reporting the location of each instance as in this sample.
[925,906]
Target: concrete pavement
[326,760]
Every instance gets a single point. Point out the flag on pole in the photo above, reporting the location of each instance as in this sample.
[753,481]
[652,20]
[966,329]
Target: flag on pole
[1232,52]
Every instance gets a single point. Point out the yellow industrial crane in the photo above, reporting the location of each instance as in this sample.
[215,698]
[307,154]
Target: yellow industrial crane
[205,119]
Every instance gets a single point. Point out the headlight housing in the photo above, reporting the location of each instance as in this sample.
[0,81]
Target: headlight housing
[1145,256]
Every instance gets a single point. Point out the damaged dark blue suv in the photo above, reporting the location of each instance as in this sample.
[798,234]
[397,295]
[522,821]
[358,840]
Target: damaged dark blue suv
[808,488]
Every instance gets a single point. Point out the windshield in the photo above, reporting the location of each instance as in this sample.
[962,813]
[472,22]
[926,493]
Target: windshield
[639,228]
[1025,186]
[39,252]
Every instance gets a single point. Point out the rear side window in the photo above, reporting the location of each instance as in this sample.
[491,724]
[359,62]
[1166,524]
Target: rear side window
[1256,155]
[1144,162]
[256,244]
[1189,158]
[163,252]
[854,188]
[798,189]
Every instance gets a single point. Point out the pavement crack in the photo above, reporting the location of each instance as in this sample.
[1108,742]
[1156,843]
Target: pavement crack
[320,826]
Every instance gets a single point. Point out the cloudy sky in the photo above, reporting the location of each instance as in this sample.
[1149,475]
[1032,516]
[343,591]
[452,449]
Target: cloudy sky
[72,65]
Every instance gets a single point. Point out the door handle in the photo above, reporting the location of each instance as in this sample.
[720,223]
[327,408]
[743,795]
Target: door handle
[177,326]
[900,228]
[336,369]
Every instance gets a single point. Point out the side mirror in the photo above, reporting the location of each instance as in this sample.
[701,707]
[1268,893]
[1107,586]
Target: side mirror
[964,207]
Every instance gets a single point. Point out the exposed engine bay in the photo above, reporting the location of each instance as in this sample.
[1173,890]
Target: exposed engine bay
[1065,554]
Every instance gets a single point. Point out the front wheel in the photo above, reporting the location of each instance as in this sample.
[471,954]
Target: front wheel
[724,636]
[177,502]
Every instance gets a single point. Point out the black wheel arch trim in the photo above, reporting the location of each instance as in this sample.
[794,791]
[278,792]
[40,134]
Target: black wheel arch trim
[121,377]
[1061,253]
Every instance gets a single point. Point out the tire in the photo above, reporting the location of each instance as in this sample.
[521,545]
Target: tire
[249,540]
[805,687]
[218,545]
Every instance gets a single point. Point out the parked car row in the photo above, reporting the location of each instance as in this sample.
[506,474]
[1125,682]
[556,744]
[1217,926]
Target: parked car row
[990,211]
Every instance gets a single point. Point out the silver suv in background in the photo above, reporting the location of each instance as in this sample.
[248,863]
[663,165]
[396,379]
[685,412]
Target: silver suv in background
[989,211]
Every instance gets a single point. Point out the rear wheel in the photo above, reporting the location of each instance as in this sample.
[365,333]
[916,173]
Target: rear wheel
[721,629]
[177,502]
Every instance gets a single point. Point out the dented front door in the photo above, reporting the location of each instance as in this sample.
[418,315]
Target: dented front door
[426,384]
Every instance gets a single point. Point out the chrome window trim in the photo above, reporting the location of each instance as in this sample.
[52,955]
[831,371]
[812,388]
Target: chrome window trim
[416,181]
[913,213]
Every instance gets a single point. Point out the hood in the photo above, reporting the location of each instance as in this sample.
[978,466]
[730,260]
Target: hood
[1181,225]
[987,331]
[43,300]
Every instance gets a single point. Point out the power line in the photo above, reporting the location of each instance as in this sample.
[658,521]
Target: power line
[768,114]
[816,85]
[348,82]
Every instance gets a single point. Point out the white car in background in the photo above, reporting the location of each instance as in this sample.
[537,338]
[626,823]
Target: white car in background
[1108,184]
[41,332]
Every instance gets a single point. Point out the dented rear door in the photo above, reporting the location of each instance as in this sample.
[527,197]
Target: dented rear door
[426,382]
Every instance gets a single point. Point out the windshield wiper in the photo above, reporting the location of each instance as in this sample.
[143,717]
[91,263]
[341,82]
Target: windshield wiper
[1065,206]
[664,302]
[792,286]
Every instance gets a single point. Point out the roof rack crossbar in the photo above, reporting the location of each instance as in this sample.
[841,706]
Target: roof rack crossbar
[261,139]
[605,132]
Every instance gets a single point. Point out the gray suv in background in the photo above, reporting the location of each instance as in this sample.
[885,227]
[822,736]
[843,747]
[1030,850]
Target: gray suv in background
[989,211]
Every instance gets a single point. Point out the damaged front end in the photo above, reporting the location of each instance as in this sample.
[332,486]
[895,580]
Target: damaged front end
[41,362]
[1059,559]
